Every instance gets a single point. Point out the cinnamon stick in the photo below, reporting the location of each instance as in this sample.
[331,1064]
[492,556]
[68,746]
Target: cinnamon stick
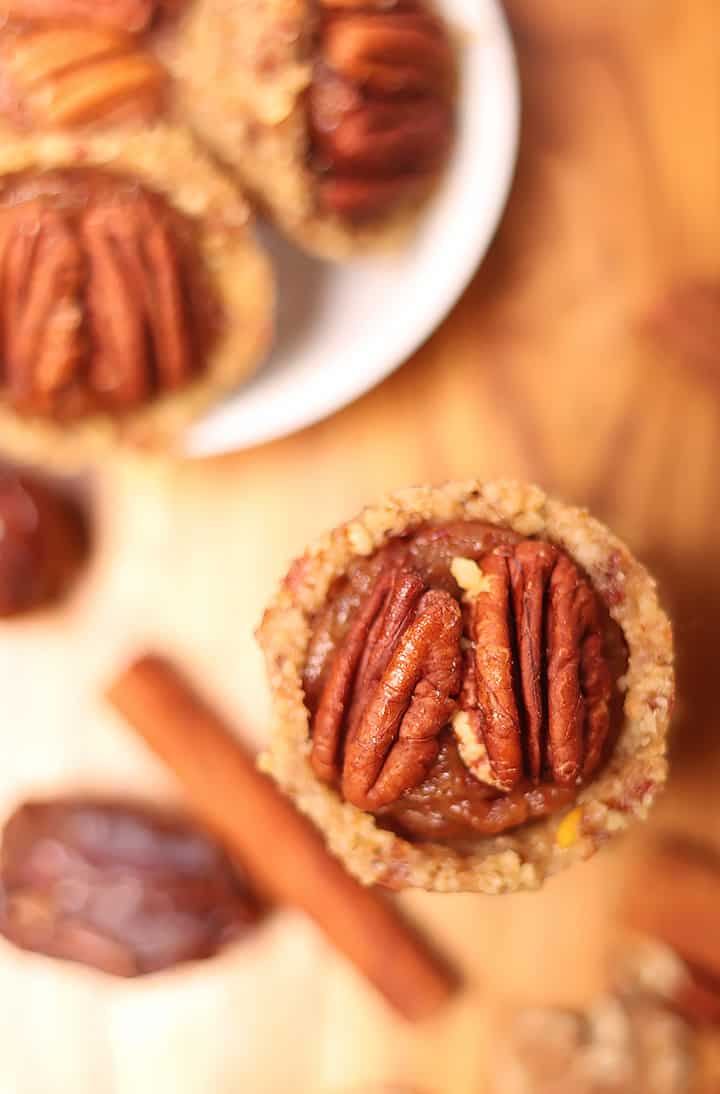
[282,852]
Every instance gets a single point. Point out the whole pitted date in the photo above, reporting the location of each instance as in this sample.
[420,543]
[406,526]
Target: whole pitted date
[117,887]
[103,304]
[463,679]
[380,104]
[42,543]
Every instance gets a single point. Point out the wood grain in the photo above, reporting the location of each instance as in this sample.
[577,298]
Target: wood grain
[569,361]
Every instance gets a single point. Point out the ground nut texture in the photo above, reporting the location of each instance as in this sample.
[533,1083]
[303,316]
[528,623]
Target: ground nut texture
[623,790]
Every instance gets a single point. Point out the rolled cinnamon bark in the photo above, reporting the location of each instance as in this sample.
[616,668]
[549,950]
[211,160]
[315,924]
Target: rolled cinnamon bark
[282,853]
[472,687]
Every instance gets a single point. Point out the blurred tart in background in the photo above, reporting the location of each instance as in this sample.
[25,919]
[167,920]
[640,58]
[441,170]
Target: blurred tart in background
[133,297]
[338,117]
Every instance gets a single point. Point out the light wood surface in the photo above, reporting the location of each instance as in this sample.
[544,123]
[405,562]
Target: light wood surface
[586,356]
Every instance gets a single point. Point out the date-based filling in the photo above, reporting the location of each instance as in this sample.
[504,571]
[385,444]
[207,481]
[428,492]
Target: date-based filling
[463,681]
[105,302]
[117,886]
[380,105]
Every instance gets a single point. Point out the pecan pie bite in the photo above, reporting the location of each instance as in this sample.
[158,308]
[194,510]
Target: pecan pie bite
[472,687]
[132,293]
[117,886]
[338,116]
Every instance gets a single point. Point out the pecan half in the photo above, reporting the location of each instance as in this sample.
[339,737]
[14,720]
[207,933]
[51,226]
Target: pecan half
[128,15]
[117,886]
[69,75]
[390,691]
[380,106]
[538,685]
[42,543]
[96,294]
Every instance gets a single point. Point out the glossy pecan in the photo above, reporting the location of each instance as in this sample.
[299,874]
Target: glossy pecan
[128,15]
[59,76]
[95,308]
[390,691]
[380,106]
[538,686]
[117,886]
[42,543]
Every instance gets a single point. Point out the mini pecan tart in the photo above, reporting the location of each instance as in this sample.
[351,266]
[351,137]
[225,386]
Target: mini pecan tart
[43,543]
[132,293]
[339,116]
[472,687]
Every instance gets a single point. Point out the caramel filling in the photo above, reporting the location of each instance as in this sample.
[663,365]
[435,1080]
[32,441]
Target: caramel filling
[463,681]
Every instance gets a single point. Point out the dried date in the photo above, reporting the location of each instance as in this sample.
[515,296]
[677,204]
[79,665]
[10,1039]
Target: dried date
[117,887]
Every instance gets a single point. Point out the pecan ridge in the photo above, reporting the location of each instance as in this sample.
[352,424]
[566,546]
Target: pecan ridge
[63,75]
[538,688]
[399,690]
[95,308]
[380,108]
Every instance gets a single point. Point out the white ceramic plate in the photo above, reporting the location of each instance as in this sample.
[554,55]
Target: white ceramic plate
[342,329]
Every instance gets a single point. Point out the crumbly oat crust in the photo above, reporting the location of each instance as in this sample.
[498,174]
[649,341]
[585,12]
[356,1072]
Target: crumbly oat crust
[251,112]
[168,161]
[626,786]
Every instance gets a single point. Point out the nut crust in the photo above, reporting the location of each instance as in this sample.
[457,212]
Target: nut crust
[621,793]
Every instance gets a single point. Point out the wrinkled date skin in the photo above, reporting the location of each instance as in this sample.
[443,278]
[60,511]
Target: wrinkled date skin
[380,105]
[43,543]
[529,662]
[104,302]
[117,887]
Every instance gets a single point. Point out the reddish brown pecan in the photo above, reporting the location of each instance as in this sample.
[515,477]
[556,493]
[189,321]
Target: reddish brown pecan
[129,15]
[117,886]
[390,691]
[42,543]
[539,685]
[58,76]
[96,307]
[380,106]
